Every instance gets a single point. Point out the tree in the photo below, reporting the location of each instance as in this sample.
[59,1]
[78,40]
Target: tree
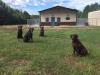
[90,8]
[85,11]
[26,15]
[9,15]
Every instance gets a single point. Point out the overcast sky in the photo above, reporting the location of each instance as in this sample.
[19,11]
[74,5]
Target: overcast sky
[33,6]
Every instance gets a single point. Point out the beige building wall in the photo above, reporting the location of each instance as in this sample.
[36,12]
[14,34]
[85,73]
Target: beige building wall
[58,14]
[94,18]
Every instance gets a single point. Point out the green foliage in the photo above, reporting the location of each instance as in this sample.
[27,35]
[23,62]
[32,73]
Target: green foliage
[26,15]
[35,16]
[89,8]
[85,11]
[9,15]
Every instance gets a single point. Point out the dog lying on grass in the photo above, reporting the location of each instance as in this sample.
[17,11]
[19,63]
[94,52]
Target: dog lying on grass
[19,33]
[28,37]
[78,47]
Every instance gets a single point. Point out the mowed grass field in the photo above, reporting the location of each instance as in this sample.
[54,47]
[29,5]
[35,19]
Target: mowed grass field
[49,55]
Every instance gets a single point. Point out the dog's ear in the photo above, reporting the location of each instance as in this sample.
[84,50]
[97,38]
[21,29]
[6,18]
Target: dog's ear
[19,27]
[31,29]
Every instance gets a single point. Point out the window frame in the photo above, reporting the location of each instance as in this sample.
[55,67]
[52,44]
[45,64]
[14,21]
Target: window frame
[58,19]
[47,20]
[67,18]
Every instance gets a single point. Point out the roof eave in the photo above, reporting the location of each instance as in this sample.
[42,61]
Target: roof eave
[60,6]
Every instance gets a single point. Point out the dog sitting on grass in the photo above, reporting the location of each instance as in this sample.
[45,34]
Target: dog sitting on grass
[28,37]
[42,31]
[78,47]
[19,33]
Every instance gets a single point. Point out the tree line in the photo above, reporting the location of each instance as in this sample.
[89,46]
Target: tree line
[10,16]
[87,9]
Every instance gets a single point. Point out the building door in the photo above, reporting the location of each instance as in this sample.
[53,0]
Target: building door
[53,21]
[58,20]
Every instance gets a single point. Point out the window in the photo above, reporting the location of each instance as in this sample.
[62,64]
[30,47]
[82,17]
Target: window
[52,19]
[58,19]
[67,18]
[47,20]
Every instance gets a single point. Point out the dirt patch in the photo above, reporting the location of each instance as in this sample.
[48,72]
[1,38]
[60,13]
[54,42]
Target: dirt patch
[73,62]
[20,62]
[70,60]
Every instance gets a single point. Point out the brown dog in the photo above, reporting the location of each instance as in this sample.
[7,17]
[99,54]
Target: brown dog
[41,31]
[28,37]
[19,32]
[78,47]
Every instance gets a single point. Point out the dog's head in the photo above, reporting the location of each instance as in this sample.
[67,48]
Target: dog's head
[20,27]
[31,29]
[73,36]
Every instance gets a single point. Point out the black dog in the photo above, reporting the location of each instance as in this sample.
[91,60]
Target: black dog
[78,47]
[19,33]
[42,31]
[28,36]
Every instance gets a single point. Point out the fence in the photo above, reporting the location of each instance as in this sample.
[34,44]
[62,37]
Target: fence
[33,22]
[80,22]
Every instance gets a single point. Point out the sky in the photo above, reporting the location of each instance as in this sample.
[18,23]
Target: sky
[33,6]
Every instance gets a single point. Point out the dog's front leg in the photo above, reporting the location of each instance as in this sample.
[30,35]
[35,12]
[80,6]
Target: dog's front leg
[74,51]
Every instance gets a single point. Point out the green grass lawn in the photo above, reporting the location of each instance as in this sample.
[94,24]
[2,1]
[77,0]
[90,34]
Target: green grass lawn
[49,55]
